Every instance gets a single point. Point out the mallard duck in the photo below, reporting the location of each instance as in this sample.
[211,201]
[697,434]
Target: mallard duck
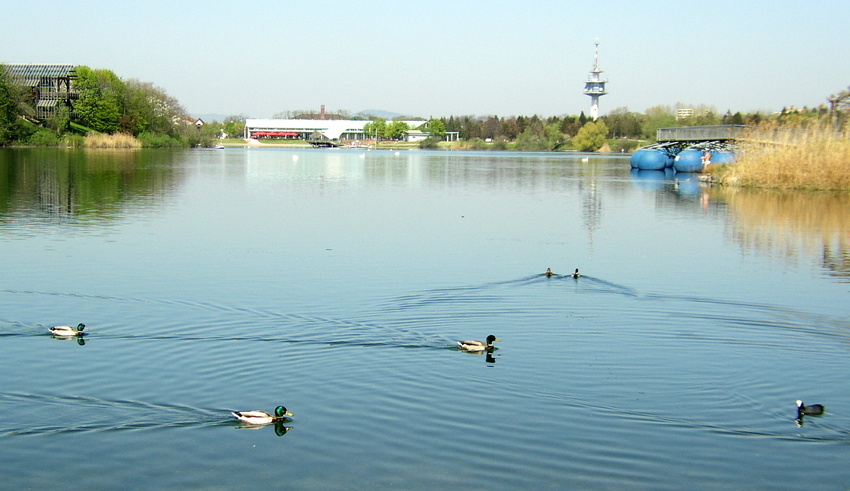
[477,345]
[261,417]
[68,330]
[575,275]
[813,410]
[549,272]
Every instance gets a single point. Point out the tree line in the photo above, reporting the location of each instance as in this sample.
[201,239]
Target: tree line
[109,104]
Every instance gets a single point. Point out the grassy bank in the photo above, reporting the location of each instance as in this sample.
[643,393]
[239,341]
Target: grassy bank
[117,140]
[815,157]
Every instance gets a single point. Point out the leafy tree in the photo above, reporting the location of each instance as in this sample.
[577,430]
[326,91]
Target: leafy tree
[509,129]
[376,128]
[552,135]
[234,129]
[657,117]
[436,127]
[591,136]
[9,112]
[623,123]
[150,108]
[531,142]
[396,130]
[99,106]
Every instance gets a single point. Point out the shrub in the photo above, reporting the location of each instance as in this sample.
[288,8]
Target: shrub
[429,143]
[74,140]
[154,140]
[43,138]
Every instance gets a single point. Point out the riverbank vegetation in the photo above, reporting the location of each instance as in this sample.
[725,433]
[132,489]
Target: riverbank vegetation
[813,155]
[106,111]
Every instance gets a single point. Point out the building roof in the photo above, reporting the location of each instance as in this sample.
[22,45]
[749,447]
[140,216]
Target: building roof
[30,74]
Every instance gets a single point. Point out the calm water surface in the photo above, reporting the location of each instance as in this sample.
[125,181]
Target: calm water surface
[336,283]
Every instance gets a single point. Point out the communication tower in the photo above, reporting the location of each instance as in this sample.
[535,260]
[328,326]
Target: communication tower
[595,86]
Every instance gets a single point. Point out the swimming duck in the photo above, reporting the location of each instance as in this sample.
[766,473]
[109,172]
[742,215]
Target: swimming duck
[549,272]
[67,330]
[261,417]
[575,275]
[813,410]
[478,345]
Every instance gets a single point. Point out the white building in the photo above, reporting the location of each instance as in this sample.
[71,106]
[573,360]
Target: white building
[309,129]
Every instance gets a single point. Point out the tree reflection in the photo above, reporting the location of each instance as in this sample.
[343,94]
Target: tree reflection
[84,186]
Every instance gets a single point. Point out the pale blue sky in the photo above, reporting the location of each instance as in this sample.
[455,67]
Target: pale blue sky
[441,57]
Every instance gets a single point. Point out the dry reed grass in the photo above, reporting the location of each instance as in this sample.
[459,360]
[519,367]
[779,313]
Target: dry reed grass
[117,140]
[811,157]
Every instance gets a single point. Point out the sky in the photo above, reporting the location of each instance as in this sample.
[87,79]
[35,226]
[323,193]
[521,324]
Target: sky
[447,57]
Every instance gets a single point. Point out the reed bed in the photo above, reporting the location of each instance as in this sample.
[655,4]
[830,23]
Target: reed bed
[116,140]
[812,157]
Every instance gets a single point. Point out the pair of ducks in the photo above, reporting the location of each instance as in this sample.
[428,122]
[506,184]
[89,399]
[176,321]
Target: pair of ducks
[549,272]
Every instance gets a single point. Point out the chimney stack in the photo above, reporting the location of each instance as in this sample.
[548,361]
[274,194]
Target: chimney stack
[322,115]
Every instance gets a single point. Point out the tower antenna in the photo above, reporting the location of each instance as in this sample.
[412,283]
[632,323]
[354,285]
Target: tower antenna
[595,86]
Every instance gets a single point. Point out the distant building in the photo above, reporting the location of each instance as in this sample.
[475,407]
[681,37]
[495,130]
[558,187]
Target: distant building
[311,129]
[417,135]
[684,113]
[47,87]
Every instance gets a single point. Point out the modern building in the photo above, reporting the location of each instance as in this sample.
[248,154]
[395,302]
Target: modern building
[47,87]
[312,129]
[595,86]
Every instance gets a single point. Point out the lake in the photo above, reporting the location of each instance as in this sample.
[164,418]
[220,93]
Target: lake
[336,283]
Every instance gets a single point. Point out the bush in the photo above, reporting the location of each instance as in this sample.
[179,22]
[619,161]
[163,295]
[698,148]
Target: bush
[74,140]
[43,138]
[429,143]
[153,140]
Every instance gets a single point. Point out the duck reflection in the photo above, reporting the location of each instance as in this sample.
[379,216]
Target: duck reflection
[78,339]
[280,428]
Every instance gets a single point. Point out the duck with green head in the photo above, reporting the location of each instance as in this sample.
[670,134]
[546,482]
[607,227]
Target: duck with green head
[475,346]
[261,417]
[67,330]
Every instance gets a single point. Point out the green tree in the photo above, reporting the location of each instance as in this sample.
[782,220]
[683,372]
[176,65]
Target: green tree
[9,112]
[436,127]
[375,128]
[657,117]
[623,123]
[101,92]
[552,135]
[396,130]
[591,136]
[150,108]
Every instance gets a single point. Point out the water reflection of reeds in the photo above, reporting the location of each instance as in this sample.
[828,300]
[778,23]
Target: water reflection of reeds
[793,225]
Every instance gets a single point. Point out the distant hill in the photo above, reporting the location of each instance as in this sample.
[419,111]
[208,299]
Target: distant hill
[366,113]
